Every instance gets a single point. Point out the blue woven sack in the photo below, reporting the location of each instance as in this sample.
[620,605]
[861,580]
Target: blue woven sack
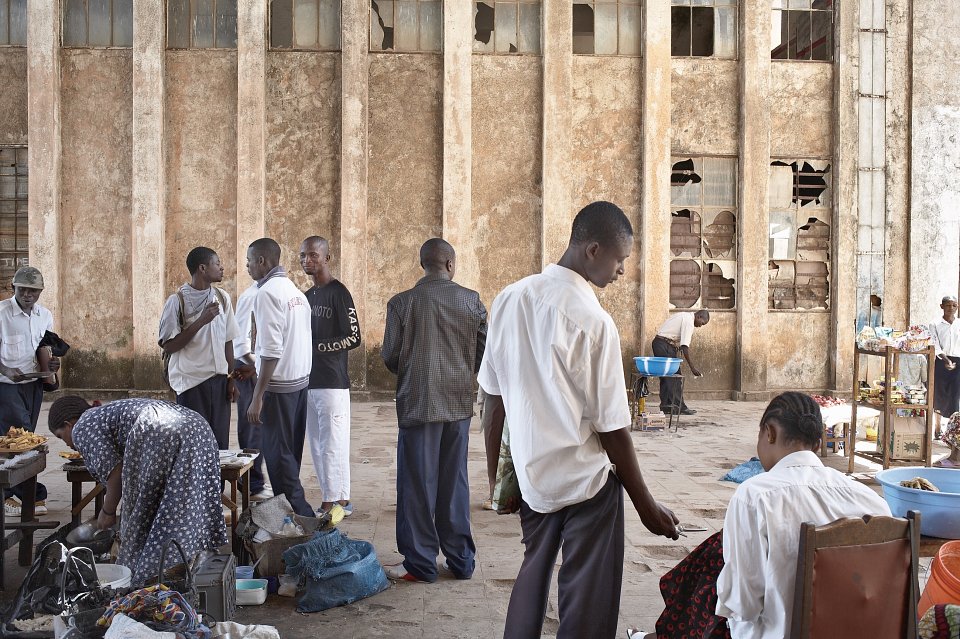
[337,570]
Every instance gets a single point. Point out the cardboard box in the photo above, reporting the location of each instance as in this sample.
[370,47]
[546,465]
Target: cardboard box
[907,437]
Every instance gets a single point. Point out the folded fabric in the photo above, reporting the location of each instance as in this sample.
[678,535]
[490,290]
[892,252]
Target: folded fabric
[124,627]
[157,605]
[233,630]
[744,471]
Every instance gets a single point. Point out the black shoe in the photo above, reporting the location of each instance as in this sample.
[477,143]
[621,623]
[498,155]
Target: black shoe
[688,411]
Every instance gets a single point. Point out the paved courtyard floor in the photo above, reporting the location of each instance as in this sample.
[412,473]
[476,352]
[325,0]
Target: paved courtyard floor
[682,469]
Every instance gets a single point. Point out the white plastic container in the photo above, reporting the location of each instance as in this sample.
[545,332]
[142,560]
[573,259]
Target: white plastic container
[251,592]
[113,575]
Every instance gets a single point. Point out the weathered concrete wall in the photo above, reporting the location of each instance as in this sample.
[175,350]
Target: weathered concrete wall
[507,159]
[303,153]
[97,314]
[704,106]
[607,145]
[801,109]
[797,359]
[935,174]
[13,97]
[201,123]
[714,351]
[405,178]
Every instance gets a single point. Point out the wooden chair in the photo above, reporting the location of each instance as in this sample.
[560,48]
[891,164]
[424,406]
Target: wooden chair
[857,577]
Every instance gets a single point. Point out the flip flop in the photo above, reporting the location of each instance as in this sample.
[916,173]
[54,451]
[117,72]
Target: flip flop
[946,463]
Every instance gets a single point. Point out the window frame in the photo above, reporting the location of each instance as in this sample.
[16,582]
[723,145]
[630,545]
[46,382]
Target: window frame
[394,50]
[86,12]
[830,218]
[618,3]
[734,5]
[20,256]
[6,29]
[493,33]
[293,29]
[702,209]
[190,31]
[785,9]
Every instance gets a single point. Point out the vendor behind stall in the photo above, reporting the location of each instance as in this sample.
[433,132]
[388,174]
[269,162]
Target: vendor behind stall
[946,342]
[673,340]
[162,459]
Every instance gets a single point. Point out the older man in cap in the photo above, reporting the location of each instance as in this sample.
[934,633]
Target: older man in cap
[23,324]
[946,342]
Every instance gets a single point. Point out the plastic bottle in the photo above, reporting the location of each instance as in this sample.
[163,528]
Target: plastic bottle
[290,528]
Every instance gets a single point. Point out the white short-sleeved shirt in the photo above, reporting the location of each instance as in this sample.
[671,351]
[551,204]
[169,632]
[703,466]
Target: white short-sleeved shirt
[679,328]
[553,354]
[761,539]
[20,335]
[946,337]
[203,356]
[245,302]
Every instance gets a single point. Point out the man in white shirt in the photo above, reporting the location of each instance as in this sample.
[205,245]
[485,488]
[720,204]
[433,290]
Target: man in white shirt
[197,329]
[946,342]
[245,379]
[673,340]
[23,323]
[553,367]
[284,357]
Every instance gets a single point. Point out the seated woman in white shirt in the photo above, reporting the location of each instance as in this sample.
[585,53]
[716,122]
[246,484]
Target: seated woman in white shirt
[748,591]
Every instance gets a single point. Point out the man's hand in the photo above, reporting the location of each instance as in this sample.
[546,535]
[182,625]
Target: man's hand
[661,521]
[210,312]
[256,406]
[54,365]
[948,363]
[244,371]
[696,372]
[16,375]
[232,393]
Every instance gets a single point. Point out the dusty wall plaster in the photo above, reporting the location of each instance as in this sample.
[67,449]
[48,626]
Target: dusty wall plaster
[13,97]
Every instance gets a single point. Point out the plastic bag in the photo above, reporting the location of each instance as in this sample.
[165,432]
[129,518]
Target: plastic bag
[506,490]
[337,570]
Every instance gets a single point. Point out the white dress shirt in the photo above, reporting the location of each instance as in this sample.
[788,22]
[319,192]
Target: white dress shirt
[20,335]
[761,539]
[946,337]
[553,354]
[243,345]
[679,328]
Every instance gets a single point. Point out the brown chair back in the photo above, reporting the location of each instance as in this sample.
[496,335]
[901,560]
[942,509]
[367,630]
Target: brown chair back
[857,577]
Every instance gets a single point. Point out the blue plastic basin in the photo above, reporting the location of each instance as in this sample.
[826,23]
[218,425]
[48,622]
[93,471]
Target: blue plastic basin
[939,512]
[657,366]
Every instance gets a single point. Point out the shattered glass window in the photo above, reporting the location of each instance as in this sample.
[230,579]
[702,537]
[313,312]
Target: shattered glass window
[13,23]
[607,27]
[800,234]
[703,232]
[201,24]
[305,25]
[801,30]
[506,27]
[14,232]
[704,28]
[406,25]
[94,23]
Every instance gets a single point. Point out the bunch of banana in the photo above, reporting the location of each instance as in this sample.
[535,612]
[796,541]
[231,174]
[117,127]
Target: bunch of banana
[920,484]
[18,439]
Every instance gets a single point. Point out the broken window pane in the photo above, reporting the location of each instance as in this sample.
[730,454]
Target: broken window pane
[685,283]
[404,25]
[800,234]
[705,28]
[720,236]
[505,21]
[483,27]
[685,178]
[381,25]
[718,291]
[685,234]
[582,29]
[605,29]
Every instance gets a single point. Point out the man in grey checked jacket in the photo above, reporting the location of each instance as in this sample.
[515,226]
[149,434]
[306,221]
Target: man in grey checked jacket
[434,342]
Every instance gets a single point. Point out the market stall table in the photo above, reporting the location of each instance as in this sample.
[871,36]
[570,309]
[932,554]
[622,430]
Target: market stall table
[23,469]
[840,415]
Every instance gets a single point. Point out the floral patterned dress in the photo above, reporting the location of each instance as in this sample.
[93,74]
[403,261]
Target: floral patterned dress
[170,479]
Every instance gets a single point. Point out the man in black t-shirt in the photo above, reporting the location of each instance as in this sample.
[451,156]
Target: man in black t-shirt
[336,330]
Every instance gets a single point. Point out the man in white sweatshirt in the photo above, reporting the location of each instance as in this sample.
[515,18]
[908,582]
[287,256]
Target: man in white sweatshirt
[283,348]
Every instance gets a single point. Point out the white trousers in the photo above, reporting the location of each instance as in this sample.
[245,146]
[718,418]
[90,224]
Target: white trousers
[328,436]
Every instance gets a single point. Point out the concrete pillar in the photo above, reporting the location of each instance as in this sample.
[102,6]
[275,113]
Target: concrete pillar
[843,305]
[457,138]
[557,123]
[43,151]
[354,75]
[654,231]
[149,189]
[754,162]
[251,124]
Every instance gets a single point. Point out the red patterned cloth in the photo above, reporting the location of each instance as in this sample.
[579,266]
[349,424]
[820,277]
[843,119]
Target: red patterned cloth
[690,595]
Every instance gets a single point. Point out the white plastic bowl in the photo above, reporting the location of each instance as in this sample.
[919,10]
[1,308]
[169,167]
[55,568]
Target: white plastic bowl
[113,575]
[251,592]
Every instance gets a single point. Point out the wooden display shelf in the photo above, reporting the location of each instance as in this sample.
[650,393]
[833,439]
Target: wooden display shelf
[888,409]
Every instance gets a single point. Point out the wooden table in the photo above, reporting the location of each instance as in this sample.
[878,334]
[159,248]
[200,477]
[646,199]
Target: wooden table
[235,477]
[22,531]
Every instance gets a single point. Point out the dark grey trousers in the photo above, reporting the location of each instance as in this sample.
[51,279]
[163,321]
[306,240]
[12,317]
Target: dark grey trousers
[209,399]
[283,429]
[670,389]
[590,535]
[249,435]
